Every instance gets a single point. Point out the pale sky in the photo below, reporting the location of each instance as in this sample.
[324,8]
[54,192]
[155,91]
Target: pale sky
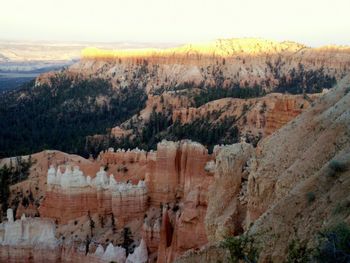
[312,22]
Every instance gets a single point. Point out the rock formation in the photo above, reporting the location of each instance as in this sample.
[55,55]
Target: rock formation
[253,116]
[140,254]
[27,239]
[284,192]
[238,60]
[174,175]
[171,78]
[71,195]
[179,202]
[113,253]
[226,207]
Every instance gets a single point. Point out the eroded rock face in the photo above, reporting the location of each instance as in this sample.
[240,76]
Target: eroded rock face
[175,177]
[183,229]
[285,109]
[297,150]
[177,167]
[257,116]
[189,230]
[14,254]
[293,163]
[140,254]
[238,61]
[151,234]
[226,210]
[163,175]
[73,195]
[28,240]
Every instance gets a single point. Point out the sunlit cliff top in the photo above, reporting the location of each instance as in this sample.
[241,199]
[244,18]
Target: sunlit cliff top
[218,48]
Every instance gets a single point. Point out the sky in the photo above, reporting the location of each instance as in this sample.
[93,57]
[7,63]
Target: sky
[311,22]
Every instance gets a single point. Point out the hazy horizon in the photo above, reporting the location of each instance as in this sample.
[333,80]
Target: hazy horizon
[313,23]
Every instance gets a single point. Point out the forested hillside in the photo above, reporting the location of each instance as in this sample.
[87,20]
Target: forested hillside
[60,116]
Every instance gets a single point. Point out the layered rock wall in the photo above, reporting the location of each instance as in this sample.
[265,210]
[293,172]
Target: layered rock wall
[258,115]
[72,195]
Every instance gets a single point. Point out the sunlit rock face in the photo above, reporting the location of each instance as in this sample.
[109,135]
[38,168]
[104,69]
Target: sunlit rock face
[197,62]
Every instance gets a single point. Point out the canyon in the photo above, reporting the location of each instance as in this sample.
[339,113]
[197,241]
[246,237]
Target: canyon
[273,181]
[222,82]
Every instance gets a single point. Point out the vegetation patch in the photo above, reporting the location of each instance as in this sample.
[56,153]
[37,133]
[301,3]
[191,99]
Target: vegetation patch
[298,252]
[61,115]
[160,126]
[337,166]
[16,172]
[342,207]
[242,248]
[334,244]
[234,91]
[310,197]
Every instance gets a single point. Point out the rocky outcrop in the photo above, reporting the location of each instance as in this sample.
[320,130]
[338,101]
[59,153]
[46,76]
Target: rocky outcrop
[231,49]
[120,132]
[17,254]
[175,178]
[31,232]
[287,173]
[151,233]
[175,168]
[285,109]
[182,225]
[28,240]
[71,195]
[316,136]
[140,254]
[287,189]
[227,207]
[257,116]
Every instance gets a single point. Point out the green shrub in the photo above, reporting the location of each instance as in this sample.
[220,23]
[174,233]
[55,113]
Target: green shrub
[338,166]
[241,248]
[310,197]
[334,244]
[342,207]
[298,252]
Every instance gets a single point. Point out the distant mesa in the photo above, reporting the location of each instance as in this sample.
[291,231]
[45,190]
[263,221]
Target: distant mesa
[218,48]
